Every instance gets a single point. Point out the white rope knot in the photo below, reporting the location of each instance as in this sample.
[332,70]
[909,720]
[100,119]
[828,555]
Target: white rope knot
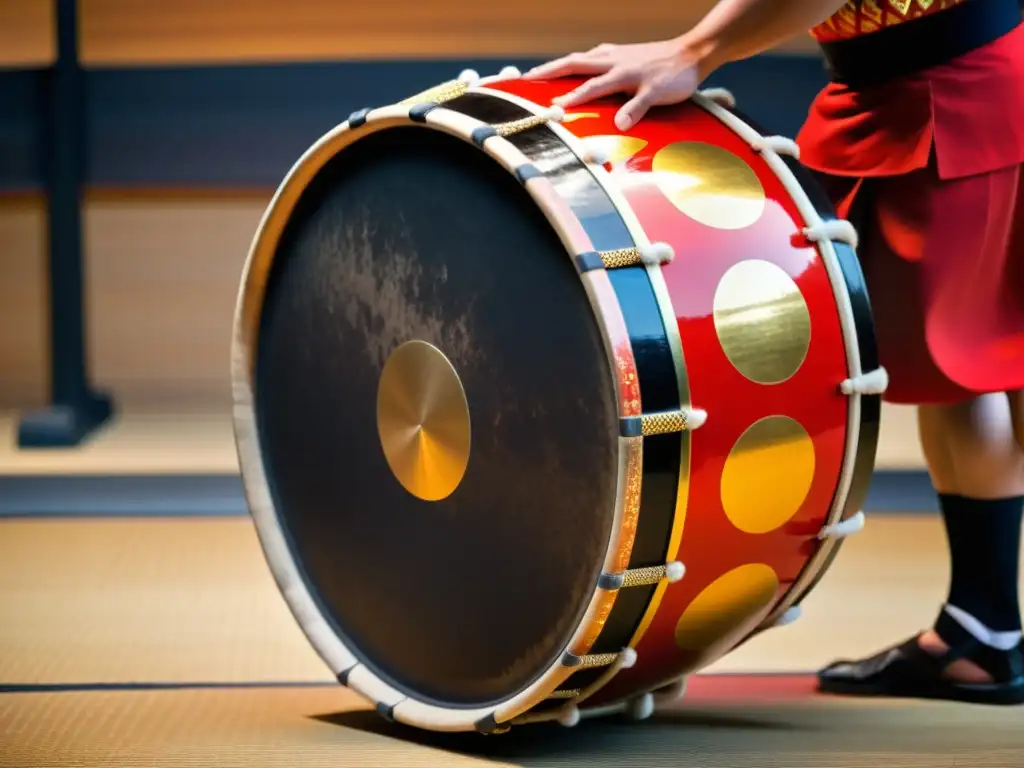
[780,145]
[839,230]
[695,418]
[656,254]
[469,76]
[553,114]
[842,529]
[674,571]
[874,382]
[719,96]
[627,658]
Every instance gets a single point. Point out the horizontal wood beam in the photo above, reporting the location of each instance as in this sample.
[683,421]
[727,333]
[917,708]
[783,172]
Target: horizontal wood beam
[131,33]
[27,34]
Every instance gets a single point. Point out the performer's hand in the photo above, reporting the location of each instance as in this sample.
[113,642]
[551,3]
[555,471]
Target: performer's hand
[652,74]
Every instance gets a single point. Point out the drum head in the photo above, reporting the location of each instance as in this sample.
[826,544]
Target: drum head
[412,235]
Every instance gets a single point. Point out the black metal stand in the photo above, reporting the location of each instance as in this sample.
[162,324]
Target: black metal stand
[76,410]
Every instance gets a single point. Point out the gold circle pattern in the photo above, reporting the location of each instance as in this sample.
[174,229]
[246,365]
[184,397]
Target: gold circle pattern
[423,421]
[709,184]
[767,474]
[762,321]
[726,608]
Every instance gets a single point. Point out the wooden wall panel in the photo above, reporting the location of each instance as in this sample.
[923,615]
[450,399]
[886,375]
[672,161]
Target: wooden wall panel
[23,328]
[162,275]
[27,33]
[125,32]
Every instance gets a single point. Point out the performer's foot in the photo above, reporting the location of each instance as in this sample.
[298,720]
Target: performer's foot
[927,667]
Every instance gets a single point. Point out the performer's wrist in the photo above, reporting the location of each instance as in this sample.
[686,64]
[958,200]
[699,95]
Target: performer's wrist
[704,53]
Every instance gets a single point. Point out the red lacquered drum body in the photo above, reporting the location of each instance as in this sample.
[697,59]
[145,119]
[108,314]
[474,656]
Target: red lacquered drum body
[766,322]
[739,339]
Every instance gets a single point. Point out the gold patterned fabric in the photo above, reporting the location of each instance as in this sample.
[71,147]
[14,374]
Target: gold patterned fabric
[862,17]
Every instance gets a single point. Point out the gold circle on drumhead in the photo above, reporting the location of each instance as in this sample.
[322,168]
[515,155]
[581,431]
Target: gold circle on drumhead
[727,608]
[423,420]
[762,321]
[709,184]
[767,475]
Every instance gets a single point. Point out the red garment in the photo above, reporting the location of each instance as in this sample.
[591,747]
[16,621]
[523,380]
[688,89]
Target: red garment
[937,158]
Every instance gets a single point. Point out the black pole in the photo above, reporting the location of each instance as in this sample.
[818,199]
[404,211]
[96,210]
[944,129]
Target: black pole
[76,410]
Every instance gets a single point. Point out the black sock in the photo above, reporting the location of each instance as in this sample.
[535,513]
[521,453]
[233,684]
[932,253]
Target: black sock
[984,544]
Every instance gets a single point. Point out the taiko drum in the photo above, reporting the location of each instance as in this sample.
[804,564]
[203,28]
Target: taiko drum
[537,418]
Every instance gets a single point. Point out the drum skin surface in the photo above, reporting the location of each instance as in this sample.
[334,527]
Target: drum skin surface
[389,245]
[660,409]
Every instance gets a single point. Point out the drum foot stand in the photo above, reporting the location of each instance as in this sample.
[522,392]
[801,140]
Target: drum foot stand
[642,707]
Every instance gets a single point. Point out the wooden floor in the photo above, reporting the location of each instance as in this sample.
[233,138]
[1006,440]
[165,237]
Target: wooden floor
[183,615]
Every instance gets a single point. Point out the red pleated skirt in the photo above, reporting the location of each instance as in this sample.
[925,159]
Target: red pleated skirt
[930,168]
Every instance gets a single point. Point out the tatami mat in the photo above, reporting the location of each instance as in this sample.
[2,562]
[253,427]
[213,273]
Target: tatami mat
[128,600]
[168,609]
[329,727]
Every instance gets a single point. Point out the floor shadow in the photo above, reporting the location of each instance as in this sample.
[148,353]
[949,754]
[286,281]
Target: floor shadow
[590,738]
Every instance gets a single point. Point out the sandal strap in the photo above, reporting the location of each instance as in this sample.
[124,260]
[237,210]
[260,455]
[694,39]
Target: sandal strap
[1002,666]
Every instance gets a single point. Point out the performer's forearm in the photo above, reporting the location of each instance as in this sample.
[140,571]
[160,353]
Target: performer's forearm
[737,29]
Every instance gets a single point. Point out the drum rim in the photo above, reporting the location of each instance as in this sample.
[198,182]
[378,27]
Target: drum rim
[638,702]
[331,647]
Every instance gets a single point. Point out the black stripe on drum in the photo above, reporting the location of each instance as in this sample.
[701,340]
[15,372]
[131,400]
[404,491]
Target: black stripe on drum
[386,711]
[570,177]
[358,118]
[870,405]
[418,113]
[659,391]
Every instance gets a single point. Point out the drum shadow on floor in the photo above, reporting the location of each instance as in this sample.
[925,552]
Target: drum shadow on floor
[600,740]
